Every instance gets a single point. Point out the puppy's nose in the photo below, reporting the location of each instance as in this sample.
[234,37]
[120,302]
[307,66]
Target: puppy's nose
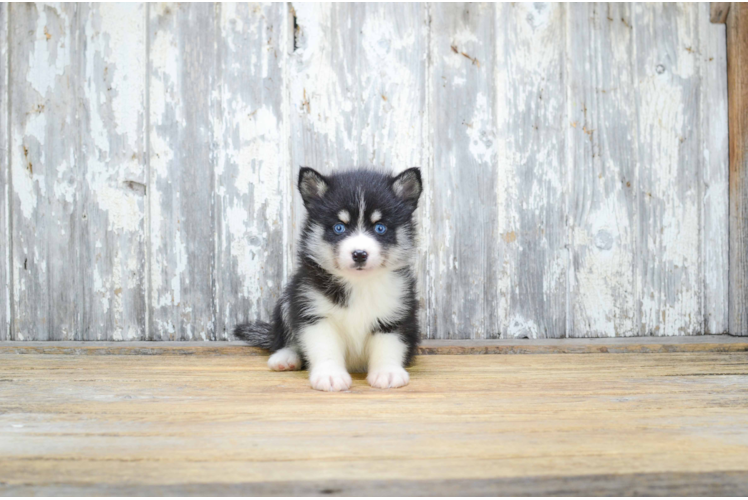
[359,256]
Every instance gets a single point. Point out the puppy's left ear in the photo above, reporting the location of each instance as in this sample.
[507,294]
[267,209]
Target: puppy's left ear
[407,186]
[312,184]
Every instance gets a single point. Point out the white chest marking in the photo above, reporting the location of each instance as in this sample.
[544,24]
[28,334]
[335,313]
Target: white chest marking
[372,298]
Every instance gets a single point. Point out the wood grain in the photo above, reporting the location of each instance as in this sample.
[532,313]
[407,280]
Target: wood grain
[719,11]
[112,53]
[357,82]
[668,183]
[72,422]
[574,158]
[715,235]
[464,244]
[5,191]
[621,345]
[532,178]
[737,58]
[602,210]
[46,211]
[182,76]
[639,484]
[253,181]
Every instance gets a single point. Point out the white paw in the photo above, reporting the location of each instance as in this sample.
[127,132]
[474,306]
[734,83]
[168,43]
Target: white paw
[329,378]
[285,359]
[388,378]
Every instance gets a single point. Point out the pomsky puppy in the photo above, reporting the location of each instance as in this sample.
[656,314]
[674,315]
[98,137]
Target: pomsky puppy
[351,304]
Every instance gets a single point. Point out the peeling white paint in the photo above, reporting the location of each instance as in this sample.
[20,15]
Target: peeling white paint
[52,50]
[541,197]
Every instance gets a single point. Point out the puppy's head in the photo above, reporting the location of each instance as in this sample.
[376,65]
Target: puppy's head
[359,221]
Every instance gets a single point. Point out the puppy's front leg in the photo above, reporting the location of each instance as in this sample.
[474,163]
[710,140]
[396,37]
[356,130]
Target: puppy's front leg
[386,357]
[325,352]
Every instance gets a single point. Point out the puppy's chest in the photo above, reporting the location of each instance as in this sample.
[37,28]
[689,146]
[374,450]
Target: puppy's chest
[368,303]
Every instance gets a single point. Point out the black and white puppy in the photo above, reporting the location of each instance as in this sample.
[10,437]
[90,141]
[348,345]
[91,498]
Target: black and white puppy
[351,304]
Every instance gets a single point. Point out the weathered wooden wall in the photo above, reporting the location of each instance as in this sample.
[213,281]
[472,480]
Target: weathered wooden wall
[737,36]
[575,160]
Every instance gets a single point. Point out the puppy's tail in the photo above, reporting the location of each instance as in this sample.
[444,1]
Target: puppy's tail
[258,334]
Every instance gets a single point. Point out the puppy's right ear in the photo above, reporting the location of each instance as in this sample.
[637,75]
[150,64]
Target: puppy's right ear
[312,184]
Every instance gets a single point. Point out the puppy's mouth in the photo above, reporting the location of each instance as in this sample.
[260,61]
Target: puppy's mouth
[362,268]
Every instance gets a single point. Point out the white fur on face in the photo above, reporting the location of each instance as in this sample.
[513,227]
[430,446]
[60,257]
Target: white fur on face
[401,254]
[359,241]
[344,216]
[319,249]
[376,215]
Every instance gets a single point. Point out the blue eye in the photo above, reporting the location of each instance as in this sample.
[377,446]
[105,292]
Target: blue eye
[338,228]
[380,229]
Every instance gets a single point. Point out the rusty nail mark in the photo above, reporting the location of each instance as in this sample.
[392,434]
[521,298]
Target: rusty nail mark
[305,103]
[472,59]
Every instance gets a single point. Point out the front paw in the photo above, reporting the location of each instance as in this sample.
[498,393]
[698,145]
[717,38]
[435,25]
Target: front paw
[388,378]
[331,379]
[284,359]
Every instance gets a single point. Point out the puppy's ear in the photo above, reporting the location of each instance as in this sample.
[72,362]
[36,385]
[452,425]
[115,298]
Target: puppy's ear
[407,186]
[312,184]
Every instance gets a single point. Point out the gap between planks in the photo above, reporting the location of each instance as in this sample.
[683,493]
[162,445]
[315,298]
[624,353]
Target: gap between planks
[641,345]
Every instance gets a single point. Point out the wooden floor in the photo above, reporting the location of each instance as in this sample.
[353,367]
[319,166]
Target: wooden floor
[674,423]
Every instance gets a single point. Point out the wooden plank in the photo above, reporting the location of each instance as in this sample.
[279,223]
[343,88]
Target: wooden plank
[719,12]
[5,235]
[615,485]
[182,76]
[46,214]
[113,162]
[715,237]
[553,416]
[357,85]
[464,242]
[668,183]
[737,58]
[602,141]
[253,178]
[532,177]
[620,345]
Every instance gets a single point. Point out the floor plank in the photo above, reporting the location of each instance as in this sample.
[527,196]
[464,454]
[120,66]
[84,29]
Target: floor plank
[551,424]
[699,343]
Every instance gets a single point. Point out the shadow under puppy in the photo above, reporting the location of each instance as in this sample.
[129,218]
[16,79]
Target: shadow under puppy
[351,304]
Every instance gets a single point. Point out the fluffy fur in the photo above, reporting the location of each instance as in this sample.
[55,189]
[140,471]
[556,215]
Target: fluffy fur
[351,304]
